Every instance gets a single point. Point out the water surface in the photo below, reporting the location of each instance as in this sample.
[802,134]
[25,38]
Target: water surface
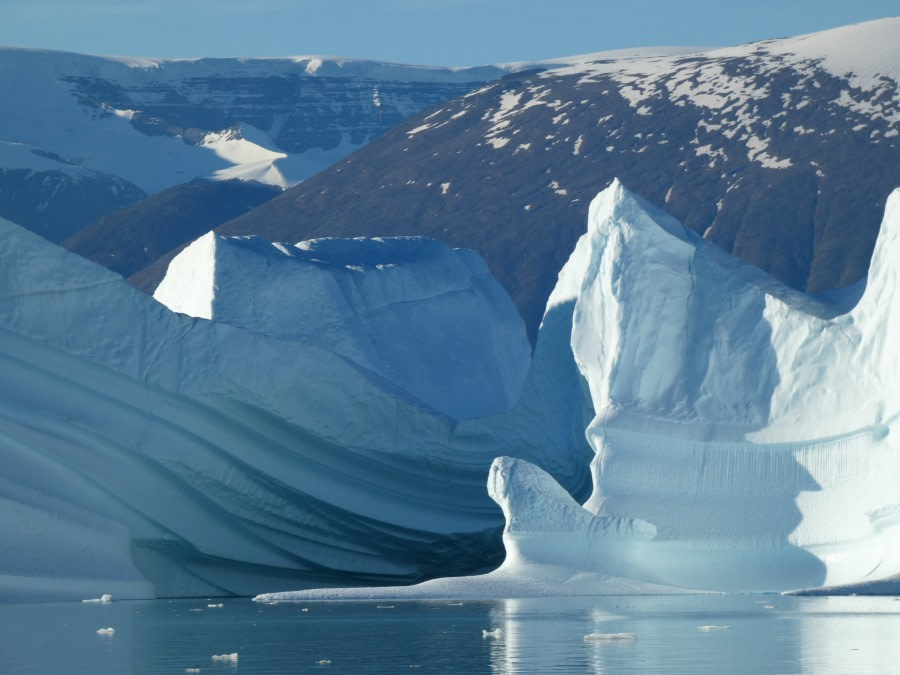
[764,634]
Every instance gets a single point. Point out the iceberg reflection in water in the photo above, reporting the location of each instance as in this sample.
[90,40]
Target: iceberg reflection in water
[767,634]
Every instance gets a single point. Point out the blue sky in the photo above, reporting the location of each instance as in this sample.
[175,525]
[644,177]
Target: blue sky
[440,32]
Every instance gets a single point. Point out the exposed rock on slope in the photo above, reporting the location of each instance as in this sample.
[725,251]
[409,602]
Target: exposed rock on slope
[140,126]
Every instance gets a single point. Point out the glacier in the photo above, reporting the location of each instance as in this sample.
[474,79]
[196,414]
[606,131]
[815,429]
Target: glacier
[742,433]
[152,454]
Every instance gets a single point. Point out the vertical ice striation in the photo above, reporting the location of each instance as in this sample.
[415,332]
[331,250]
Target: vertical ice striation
[749,424]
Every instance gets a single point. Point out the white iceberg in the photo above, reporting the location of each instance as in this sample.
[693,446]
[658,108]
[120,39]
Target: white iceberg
[146,453]
[742,436]
[233,657]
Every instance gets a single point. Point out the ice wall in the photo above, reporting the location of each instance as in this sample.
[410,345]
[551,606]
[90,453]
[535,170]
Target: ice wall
[750,425]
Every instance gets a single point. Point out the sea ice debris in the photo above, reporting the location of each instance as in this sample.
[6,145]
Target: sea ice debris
[225,657]
[601,637]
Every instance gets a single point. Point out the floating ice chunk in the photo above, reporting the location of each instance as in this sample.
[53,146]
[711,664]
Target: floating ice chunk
[106,631]
[712,628]
[496,633]
[195,609]
[225,657]
[103,599]
[323,662]
[384,607]
[600,637]
[216,605]
[192,670]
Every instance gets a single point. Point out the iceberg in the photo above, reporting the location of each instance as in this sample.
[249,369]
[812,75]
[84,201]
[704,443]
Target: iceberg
[151,454]
[426,319]
[742,433]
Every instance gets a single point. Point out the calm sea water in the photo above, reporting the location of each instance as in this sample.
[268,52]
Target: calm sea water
[765,634]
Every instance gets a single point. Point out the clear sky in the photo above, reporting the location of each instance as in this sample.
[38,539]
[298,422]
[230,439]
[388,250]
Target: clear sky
[439,32]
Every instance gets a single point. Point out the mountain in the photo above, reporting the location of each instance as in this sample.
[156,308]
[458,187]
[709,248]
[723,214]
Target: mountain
[742,436]
[129,127]
[53,197]
[316,433]
[782,152]
[133,236]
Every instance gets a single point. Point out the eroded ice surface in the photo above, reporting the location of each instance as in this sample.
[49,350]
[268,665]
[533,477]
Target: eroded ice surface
[146,453]
[743,433]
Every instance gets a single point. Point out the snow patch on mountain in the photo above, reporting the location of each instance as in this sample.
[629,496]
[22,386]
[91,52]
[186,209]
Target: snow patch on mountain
[22,156]
[865,54]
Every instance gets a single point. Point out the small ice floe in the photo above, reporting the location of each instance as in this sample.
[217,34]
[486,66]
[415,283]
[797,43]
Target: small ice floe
[305,609]
[226,657]
[768,606]
[611,637]
[192,670]
[323,662]
[195,609]
[106,631]
[384,607]
[496,633]
[711,628]
[216,605]
[102,600]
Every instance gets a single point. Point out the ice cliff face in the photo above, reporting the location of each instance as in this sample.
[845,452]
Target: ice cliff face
[748,425]
[428,320]
[146,453]
[118,129]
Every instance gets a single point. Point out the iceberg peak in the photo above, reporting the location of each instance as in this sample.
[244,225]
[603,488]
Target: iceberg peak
[747,423]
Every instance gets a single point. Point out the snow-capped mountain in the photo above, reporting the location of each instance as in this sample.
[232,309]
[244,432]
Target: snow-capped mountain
[117,129]
[744,432]
[320,434]
[782,152]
